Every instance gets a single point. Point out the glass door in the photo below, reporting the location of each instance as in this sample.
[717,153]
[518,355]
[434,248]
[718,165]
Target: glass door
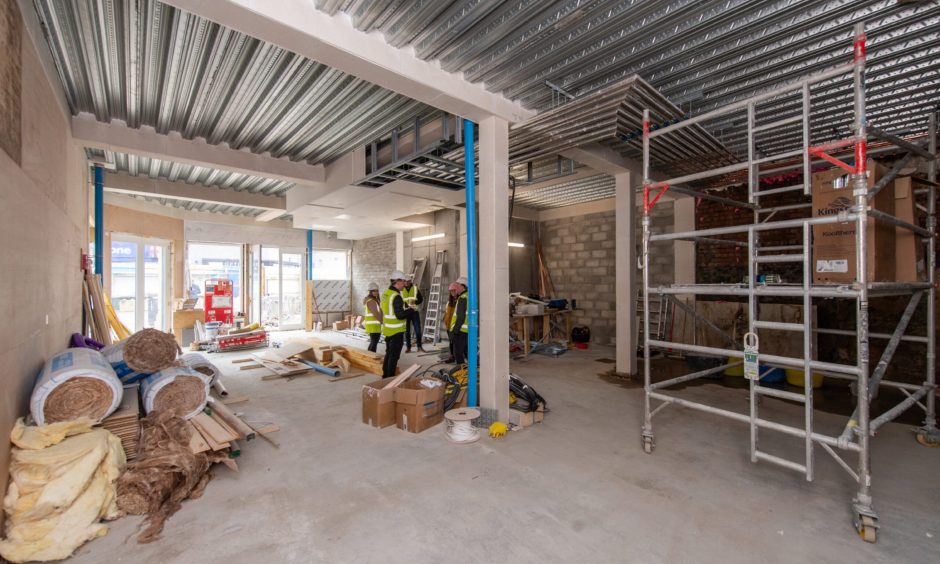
[292,284]
[139,282]
[281,288]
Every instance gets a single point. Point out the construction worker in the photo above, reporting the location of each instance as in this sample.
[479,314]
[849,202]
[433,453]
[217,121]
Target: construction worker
[452,292]
[413,300]
[393,323]
[459,322]
[372,316]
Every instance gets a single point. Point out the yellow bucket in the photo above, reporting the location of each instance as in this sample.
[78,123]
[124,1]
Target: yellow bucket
[735,370]
[795,377]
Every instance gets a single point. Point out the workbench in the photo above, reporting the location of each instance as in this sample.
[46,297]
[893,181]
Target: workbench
[186,319]
[553,325]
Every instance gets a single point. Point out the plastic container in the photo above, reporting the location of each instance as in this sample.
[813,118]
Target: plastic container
[212,329]
[771,375]
[795,377]
[737,371]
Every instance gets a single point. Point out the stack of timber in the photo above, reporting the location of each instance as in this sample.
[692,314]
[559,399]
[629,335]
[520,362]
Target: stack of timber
[125,422]
[95,309]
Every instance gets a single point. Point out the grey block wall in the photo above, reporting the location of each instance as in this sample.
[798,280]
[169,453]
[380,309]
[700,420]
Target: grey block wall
[372,261]
[580,255]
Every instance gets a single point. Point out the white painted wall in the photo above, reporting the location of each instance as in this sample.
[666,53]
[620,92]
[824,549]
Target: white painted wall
[209,232]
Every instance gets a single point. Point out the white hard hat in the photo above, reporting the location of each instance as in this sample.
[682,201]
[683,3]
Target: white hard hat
[463,280]
[373,286]
[397,275]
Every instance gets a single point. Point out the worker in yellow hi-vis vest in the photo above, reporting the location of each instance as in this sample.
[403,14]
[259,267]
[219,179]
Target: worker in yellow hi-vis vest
[459,323]
[393,323]
[413,300]
[372,316]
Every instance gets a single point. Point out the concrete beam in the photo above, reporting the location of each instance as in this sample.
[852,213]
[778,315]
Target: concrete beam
[296,25]
[129,202]
[494,266]
[118,137]
[145,186]
[603,159]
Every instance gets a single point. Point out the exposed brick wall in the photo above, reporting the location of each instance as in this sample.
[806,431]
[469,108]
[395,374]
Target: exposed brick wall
[580,255]
[722,264]
[372,261]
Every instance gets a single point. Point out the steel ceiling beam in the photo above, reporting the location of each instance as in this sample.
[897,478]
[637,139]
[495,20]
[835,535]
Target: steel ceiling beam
[121,183]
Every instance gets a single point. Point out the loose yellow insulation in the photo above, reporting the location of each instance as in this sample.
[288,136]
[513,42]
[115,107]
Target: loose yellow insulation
[62,484]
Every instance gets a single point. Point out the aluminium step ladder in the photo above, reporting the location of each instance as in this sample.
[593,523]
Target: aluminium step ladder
[432,314]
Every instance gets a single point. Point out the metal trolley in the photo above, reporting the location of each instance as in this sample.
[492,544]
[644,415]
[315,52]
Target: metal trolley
[868,376]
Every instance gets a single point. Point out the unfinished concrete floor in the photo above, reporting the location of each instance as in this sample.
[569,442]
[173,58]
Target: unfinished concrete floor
[577,488]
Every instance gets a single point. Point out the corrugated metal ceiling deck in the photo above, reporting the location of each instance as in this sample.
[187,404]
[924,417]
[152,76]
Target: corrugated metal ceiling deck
[147,63]
[701,54]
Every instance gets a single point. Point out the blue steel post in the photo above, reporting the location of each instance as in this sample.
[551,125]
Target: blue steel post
[310,254]
[99,220]
[471,199]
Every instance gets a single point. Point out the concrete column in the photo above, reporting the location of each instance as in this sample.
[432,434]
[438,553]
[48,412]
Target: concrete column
[400,251]
[494,265]
[626,280]
[462,230]
[684,220]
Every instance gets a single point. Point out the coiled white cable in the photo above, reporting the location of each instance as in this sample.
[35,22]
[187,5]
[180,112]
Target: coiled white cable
[459,427]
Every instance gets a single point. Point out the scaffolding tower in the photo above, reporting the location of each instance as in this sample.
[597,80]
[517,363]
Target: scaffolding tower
[867,376]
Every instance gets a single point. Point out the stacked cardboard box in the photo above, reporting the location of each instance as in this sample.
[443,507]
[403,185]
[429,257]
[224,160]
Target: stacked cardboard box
[419,404]
[909,251]
[834,257]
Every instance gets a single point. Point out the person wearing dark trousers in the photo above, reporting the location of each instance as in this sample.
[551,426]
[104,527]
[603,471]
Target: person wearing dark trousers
[413,300]
[452,292]
[393,323]
[459,323]
[372,316]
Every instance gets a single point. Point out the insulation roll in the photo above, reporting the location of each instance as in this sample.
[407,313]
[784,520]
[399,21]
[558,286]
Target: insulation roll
[142,354]
[75,383]
[178,388]
[200,363]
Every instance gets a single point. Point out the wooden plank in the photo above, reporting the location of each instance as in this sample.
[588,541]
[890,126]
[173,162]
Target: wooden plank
[241,360]
[400,379]
[221,411]
[346,376]
[288,368]
[207,425]
[340,361]
[197,443]
[251,367]
[236,399]
[268,429]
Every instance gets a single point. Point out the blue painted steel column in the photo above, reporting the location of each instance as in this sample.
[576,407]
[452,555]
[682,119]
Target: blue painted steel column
[474,312]
[99,220]
[310,254]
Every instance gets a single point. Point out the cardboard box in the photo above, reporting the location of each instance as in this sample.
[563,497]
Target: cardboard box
[834,244]
[909,264]
[340,325]
[378,404]
[418,407]
[523,419]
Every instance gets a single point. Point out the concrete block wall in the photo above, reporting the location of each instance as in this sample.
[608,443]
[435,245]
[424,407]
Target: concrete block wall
[372,261]
[580,255]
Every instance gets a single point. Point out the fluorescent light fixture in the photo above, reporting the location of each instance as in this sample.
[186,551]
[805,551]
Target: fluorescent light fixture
[517,245]
[319,227]
[343,216]
[427,237]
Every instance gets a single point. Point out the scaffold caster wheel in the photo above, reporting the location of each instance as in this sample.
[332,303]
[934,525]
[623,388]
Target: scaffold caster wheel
[927,437]
[648,445]
[868,528]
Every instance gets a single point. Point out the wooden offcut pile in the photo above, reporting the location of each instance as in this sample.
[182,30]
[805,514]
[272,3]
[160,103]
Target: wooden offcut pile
[125,422]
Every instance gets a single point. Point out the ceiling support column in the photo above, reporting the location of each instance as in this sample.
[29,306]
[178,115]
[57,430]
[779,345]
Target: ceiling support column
[625,269]
[494,266]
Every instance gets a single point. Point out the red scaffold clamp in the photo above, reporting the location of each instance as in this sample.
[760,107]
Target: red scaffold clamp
[647,204]
[861,150]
